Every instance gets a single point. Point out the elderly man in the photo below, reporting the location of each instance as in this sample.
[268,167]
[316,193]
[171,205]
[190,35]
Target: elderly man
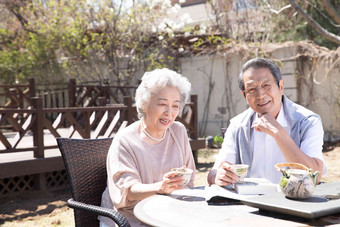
[272,130]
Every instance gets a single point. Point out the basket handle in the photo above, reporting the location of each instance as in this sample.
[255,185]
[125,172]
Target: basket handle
[292,165]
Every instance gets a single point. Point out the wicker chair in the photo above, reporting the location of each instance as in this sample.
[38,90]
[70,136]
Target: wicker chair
[85,162]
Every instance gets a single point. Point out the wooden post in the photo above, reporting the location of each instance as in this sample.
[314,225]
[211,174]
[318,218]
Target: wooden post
[106,93]
[87,127]
[128,112]
[39,181]
[38,128]
[194,134]
[31,85]
[72,92]
[102,101]
[194,121]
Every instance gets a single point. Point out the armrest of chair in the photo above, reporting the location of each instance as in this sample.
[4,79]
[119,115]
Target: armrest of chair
[110,213]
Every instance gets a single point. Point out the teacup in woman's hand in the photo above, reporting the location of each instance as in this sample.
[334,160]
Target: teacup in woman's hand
[240,170]
[185,173]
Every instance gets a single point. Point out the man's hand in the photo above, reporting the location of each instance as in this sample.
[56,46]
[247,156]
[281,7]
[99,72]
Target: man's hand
[291,152]
[224,175]
[267,124]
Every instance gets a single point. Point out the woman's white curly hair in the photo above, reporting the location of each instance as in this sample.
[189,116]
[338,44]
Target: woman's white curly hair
[157,79]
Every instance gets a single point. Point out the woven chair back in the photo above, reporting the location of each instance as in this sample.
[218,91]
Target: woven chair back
[85,162]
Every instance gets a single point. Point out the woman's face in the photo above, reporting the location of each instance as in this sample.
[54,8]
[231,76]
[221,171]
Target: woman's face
[162,111]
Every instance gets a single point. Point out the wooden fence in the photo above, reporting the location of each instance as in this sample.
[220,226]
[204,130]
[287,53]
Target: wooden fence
[69,94]
[35,132]
[94,93]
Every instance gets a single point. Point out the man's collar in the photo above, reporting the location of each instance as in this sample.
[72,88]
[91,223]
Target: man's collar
[281,118]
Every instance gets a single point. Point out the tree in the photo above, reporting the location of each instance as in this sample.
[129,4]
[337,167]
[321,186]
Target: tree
[84,39]
[314,24]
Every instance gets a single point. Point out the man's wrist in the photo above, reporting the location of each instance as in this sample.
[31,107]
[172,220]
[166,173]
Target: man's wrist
[280,133]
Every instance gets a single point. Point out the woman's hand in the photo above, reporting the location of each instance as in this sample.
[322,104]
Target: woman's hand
[224,175]
[171,182]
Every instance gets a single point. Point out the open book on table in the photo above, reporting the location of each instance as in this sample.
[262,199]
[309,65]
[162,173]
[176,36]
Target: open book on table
[257,186]
[235,193]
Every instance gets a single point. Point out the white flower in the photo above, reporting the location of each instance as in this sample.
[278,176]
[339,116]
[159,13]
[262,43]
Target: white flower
[177,6]
[174,9]
[180,49]
[153,29]
[168,30]
[186,34]
[162,26]
[178,26]
[166,3]
[202,30]
[186,18]
[160,37]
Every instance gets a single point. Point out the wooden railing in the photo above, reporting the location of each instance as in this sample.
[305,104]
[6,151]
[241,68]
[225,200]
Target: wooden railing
[63,95]
[86,122]
[17,95]
[36,132]
[99,94]
[83,122]
[30,124]
[94,93]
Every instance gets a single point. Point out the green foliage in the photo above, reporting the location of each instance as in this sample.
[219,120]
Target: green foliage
[81,39]
[105,39]
[218,140]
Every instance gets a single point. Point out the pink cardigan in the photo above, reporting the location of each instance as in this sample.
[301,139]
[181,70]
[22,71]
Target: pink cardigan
[131,160]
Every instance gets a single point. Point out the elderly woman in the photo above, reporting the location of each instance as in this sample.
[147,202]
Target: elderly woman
[142,155]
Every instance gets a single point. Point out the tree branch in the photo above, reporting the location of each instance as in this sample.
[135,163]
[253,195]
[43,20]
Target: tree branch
[13,7]
[330,9]
[323,32]
[276,11]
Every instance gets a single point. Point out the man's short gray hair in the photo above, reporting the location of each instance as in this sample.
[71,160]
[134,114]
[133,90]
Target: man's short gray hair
[154,81]
[259,63]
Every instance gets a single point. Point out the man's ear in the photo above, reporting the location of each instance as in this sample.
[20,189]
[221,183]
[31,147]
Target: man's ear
[281,85]
[244,94]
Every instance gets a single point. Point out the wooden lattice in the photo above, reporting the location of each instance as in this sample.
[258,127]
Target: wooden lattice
[16,184]
[56,179]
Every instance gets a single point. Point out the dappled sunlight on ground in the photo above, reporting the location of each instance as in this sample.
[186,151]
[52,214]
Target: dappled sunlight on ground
[50,209]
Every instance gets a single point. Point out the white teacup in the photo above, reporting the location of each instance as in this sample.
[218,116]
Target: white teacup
[185,173]
[240,170]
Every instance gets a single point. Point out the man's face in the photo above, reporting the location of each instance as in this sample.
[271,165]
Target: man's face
[263,96]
